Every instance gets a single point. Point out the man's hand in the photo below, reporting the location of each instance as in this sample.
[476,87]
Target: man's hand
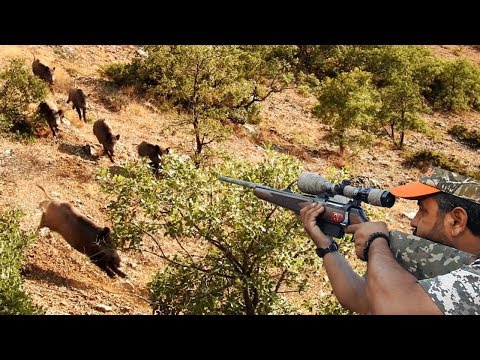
[309,214]
[362,231]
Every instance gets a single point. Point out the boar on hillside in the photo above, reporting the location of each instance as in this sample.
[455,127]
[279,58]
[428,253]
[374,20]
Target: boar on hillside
[103,132]
[44,72]
[81,233]
[51,114]
[79,102]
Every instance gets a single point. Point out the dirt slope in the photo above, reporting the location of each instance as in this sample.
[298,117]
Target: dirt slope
[63,281]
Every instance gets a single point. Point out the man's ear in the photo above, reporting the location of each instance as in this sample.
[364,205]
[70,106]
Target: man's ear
[457,220]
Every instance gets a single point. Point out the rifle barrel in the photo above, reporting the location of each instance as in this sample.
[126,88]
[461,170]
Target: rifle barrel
[239,182]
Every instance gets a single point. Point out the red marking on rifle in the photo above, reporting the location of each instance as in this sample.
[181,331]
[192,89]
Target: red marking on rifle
[336,217]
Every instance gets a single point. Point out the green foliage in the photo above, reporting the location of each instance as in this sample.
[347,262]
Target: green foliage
[120,73]
[402,74]
[133,189]
[457,86]
[422,159]
[469,137]
[18,88]
[13,241]
[347,102]
[323,61]
[237,254]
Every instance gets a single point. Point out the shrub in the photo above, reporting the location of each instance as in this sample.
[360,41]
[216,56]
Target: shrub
[18,88]
[13,242]
[422,159]
[470,137]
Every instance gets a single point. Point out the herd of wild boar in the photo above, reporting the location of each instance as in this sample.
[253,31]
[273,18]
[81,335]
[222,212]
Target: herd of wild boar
[79,231]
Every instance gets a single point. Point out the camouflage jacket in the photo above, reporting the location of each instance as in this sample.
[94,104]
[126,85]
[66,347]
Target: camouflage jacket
[450,277]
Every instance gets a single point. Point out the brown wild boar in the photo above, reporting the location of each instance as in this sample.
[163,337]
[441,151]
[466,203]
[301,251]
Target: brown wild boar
[82,234]
[153,152]
[79,102]
[104,135]
[44,72]
[50,112]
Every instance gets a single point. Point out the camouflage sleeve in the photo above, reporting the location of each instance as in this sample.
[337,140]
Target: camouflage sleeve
[458,292]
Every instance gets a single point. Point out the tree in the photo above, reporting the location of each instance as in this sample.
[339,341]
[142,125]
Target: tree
[347,102]
[458,85]
[402,105]
[210,83]
[402,74]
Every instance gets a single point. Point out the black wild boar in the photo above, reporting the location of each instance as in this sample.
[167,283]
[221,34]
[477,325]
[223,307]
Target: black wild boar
[153,152]
[79,102]
[104,135]
[82,234]
[44,72]
[50,112]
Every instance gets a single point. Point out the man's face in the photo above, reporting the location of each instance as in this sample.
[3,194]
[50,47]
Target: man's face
[428,223]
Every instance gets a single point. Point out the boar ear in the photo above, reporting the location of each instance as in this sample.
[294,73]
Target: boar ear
[104,233]
[60,112]
[157,149]
[53,69]
[118,137]
[167,150]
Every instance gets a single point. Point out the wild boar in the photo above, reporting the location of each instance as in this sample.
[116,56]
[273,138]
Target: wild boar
[79,102]
[82,234]
[50,112]
[44,72]
[153,152]
[104,135]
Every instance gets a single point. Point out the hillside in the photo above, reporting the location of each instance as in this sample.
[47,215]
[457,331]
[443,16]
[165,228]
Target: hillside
[63,281]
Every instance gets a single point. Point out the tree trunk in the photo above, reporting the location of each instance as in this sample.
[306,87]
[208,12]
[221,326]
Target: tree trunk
[249,308]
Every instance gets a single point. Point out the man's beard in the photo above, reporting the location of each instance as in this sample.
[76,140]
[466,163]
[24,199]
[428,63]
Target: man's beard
[435,234]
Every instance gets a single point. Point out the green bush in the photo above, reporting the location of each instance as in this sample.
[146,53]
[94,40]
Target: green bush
[121,74]
[18,88]
[422,159]
[226,251]
[470,137]
[13,242]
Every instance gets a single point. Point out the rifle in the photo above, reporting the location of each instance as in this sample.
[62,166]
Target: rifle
[342,202]
[421,257]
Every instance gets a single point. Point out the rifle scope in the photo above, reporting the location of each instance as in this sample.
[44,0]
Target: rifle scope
[316,184]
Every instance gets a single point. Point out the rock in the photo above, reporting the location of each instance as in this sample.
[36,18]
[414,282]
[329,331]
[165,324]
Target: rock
[409,214]
[142,53]
[103,308]
[127,285]
[250,128]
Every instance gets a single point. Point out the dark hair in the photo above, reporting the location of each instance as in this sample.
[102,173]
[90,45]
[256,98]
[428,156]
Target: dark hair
[447,202]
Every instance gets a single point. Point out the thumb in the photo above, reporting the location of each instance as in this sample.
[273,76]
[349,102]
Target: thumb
[350,229]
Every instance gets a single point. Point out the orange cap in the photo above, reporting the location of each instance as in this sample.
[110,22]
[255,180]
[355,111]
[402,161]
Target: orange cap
[414,190]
